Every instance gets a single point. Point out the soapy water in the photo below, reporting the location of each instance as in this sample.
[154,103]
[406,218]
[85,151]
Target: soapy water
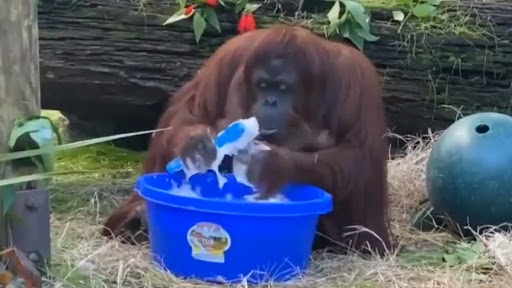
[186,190]
[251,129]
[234,138]
[238,141]
[277,198]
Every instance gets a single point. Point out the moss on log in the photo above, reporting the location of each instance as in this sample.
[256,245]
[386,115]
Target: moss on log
[97,54]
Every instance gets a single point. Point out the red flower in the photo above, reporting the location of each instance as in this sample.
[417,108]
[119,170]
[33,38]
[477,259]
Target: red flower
[247,23]
[190,10]
[212,2]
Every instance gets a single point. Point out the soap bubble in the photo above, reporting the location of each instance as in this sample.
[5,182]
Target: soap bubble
[185,190]
[276,198]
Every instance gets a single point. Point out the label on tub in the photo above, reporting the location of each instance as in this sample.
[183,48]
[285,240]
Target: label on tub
[209,241]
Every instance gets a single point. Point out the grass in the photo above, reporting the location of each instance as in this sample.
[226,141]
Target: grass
[450,19]
[81,258]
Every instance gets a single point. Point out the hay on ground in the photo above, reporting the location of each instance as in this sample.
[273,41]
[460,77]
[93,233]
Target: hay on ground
[82,256]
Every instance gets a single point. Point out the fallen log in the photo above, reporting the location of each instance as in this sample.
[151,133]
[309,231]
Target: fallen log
[100,54]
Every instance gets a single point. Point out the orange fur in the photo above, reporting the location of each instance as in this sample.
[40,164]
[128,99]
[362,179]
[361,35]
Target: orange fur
[343,97]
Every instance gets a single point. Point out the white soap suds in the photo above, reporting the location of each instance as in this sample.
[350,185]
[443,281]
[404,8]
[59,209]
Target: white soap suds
[190,169]
[241,161]
[185,190]
[241,151]
[276,198]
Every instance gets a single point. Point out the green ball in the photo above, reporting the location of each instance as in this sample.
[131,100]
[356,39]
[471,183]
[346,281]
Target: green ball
[469,171]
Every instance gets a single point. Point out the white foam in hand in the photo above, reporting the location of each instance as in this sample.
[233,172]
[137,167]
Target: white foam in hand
[240,165]
[241,149]
[241,161]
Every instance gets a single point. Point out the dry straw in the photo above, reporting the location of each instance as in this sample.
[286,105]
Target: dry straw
[79,249]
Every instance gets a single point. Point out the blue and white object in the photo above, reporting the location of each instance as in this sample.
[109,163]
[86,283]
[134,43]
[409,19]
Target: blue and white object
[237,136]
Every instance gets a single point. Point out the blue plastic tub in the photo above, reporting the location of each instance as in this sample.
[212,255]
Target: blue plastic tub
[256,241]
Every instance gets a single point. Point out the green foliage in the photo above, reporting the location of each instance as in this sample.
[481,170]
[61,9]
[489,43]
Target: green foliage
[347,18]
[28,134]
[211,17]
[417,8]
[353,24]
[204,14]
[34,133]
[178,16]
[449,254]
[32,145]
[467,253]
[199,25]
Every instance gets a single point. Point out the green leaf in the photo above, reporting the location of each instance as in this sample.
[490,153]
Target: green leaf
[358,13]
[348,31]
[211,17]
[398,16]
[250,8]
[357,40]
[466,255]
[423,10]
[24,154]
[55,129]
[240,6]
[34,133]
[182,3]
[334,13]
[478,247]
[406,2]
[451,259]
[18,130]
[331,28]
[199,25]
[8,197]
[178,16]
[44,136]
[421,258]
[365,34]
[41,128]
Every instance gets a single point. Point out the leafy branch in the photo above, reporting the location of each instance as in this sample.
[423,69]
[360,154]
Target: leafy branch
[353,24]
[36,132]
[203,13]
[416,8]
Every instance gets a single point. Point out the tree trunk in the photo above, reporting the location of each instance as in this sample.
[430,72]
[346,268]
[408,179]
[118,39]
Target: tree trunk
[104,53]
[19,76]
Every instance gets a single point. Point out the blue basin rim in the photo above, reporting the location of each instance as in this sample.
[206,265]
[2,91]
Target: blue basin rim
[321,202]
